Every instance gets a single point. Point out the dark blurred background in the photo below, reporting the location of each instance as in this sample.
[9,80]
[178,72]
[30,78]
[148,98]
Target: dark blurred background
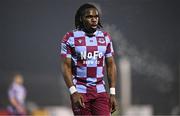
[148,31]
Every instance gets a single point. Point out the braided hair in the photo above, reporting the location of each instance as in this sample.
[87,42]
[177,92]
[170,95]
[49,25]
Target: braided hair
[79,14]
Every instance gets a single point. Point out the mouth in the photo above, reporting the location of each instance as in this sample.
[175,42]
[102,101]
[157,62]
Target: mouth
[94,26]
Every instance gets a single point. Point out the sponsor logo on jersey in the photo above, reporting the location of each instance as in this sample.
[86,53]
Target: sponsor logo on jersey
[91,55]
[91,62]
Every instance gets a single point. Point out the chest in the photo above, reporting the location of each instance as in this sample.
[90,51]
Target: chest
[90,45]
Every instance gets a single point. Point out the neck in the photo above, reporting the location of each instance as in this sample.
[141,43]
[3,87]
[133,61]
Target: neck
[89,32]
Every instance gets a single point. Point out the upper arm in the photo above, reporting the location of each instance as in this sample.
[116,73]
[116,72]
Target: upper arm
[67,62]
[65,51]
[11,92]
[109,46]
[65,46]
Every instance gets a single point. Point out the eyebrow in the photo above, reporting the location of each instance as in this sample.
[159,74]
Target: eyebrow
[92,15]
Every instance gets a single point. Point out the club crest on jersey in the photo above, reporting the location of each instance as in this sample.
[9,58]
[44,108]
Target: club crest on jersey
[101,40]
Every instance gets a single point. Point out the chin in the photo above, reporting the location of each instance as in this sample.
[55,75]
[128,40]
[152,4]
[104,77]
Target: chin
[94,27]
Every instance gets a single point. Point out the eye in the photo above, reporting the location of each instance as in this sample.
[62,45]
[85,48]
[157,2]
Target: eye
[96,16]
[89,16]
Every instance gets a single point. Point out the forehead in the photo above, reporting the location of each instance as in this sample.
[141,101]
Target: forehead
[91,11]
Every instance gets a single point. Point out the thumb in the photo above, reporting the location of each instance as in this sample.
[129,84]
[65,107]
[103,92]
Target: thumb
[82,102]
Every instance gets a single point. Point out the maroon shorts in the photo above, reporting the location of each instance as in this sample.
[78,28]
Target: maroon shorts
[95,104]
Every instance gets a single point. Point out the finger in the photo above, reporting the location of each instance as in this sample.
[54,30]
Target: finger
[113,110]
[113,107]
[82,101]
[83,105]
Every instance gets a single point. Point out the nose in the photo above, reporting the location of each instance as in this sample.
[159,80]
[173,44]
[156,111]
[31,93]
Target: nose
[94,19]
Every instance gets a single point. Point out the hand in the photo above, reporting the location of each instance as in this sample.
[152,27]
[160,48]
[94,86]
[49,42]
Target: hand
[113,103]
[20,109]
[78,100]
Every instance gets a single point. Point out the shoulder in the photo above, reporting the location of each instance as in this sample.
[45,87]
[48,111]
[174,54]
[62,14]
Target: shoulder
[106,33]
[107,36]
[102,33]
[67,36]
[13,87]
[78,33]
[73,34]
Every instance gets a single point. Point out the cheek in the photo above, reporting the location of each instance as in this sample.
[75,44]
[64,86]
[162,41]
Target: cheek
[87,22]
[97,20]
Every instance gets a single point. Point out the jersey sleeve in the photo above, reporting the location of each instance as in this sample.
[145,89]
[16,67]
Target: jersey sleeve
[66,49]
[109,49]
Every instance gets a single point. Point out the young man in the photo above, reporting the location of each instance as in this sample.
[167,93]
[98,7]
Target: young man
[17,96]
[85,52]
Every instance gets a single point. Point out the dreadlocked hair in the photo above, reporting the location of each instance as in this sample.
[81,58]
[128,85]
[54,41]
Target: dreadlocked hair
[79,14]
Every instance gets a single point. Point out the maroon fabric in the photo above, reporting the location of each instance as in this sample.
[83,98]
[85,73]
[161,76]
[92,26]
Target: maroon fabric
[95,104]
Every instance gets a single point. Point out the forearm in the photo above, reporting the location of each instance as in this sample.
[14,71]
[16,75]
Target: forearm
[112,76]
[68,79]
[111,73]
[67,73]
[15,103]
